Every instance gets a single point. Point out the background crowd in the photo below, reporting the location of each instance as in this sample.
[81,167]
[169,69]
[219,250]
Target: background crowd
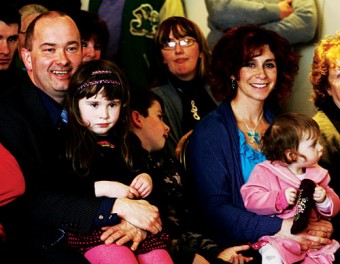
[98,108]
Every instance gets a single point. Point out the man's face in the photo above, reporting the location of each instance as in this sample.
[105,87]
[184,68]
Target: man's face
[55,55]
[8,44]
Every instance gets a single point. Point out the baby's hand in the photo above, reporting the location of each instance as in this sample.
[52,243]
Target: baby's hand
[291,195]
[143,184]
[319,195]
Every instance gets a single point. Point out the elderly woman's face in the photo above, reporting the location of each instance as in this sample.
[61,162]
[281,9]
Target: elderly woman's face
[182,61]
[334,83]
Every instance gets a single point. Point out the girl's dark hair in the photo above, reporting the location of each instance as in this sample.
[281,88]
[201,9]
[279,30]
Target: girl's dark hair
[87,81]
[237,47]
[285,133]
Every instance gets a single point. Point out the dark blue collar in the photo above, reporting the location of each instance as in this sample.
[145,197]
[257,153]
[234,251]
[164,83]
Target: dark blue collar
[54,109]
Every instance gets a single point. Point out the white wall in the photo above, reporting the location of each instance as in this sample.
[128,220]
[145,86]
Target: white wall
[329,23]
[197,11]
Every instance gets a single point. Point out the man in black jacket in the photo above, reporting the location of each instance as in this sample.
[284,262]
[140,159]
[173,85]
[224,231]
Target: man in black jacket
[30,128]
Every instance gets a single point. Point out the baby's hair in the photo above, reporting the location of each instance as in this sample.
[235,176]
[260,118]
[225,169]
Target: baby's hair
[285,133]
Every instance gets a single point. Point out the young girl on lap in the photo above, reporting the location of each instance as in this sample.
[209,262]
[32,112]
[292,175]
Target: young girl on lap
[98,118]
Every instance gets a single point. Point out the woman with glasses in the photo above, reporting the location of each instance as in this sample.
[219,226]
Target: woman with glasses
[183,57]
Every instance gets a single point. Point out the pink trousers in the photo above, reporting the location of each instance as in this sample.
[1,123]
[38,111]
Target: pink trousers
[113,254]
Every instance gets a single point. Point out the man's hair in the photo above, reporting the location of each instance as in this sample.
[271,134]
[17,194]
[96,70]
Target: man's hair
[30,29]
[9,14]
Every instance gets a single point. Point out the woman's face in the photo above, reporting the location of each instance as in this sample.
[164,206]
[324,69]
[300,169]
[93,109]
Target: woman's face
[182,61]
[258,77]
[334,83]
[91,50]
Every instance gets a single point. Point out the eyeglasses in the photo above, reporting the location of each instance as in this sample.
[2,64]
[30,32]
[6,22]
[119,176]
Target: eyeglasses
[184,43]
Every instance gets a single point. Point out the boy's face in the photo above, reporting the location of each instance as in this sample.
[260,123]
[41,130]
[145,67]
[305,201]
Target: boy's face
[155,131]
[9,35]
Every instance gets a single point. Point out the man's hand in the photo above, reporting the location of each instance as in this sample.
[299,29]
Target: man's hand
[140,213]
[123,233]
[316,235]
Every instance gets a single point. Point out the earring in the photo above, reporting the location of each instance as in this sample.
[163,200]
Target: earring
[233,84]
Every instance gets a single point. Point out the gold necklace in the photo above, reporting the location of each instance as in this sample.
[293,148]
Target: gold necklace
[253,136]
[194,110]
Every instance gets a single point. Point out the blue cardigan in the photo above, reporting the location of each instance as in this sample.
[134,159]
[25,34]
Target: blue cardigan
[216,166]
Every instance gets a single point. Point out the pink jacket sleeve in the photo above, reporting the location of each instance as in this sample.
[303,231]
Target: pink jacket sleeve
[260,192]
[332,195]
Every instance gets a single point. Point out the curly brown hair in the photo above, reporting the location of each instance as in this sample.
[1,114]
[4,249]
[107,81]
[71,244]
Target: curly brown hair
[325,55]
[238,46]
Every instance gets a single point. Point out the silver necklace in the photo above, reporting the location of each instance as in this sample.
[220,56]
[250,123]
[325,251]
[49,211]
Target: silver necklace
[253,136]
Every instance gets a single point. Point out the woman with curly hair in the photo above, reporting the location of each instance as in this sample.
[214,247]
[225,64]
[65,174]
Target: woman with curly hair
[325,78]
[253,70]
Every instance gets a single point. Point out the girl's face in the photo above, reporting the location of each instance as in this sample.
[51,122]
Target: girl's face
[155,131]
[311,149]
[91,50]
[182,61]
[98,113]
[334,82]
[258,77]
